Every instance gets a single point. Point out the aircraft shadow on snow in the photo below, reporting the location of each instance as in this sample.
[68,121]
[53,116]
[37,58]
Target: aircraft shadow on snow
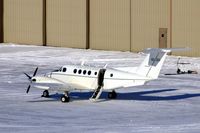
[140,96]
[146,95]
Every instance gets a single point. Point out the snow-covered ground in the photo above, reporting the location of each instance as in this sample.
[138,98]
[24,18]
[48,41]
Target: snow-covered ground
[170,104]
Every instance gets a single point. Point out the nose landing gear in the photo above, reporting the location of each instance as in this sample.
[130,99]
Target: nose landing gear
[45,93]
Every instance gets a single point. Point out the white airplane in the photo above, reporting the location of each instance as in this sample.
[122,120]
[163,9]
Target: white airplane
[80,77]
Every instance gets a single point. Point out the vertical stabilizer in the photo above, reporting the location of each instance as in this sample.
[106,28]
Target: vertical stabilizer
[153,62]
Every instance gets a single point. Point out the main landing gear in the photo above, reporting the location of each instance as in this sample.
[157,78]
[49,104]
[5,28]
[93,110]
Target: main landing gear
[65,98]
[112,95]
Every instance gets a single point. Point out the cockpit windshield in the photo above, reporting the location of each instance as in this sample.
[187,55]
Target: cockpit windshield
[57,70]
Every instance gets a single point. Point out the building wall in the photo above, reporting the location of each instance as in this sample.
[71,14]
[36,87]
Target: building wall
[125,25]
[147,16]
[66,23]
[110,24]
[186,26]
[23,21]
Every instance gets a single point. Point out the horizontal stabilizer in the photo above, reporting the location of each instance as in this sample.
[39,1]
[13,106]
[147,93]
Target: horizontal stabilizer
[167,50]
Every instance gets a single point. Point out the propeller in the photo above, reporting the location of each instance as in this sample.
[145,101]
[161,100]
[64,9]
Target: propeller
[30,77]
[35,72]
[28,89]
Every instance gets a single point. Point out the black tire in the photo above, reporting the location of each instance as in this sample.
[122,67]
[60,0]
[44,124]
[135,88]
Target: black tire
[45,93]
[112,95]
[64,99]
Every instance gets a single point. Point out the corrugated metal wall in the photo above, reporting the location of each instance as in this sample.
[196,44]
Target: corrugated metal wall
[110,24]
[126,25]
[147,16]
[23,21]
[66,23]
[186,26]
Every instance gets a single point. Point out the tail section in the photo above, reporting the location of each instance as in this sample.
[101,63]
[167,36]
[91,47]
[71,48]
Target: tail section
[154,60]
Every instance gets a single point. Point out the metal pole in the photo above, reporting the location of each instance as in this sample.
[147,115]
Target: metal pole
[87,24]
[1,21]
[44,24]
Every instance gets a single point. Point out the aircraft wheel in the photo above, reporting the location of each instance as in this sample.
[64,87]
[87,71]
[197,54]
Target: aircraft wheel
[64,99]
[112,95]
[45,93]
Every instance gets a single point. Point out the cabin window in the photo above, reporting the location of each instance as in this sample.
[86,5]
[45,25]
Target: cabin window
[89,72]
[84,72]
[95,73]
[111,75]
[79,71]
[75,70]
[64,69]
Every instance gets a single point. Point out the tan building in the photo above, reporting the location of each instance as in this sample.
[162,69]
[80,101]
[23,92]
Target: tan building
[125,25]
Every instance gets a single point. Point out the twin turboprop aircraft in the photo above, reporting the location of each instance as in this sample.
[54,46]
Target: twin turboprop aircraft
[74,77]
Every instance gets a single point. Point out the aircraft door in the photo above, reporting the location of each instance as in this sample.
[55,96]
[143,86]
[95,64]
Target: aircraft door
[101,77]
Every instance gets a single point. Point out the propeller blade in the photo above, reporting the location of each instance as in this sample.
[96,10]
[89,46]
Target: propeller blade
[35,72]
[28,88]
[28,75]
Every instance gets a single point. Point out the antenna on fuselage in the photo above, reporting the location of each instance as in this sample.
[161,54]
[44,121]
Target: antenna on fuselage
[105,66]
[82,63]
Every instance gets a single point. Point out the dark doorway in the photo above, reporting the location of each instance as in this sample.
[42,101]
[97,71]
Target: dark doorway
[101,77]
[162,37]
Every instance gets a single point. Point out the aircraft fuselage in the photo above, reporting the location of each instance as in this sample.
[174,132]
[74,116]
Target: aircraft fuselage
[90,77]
